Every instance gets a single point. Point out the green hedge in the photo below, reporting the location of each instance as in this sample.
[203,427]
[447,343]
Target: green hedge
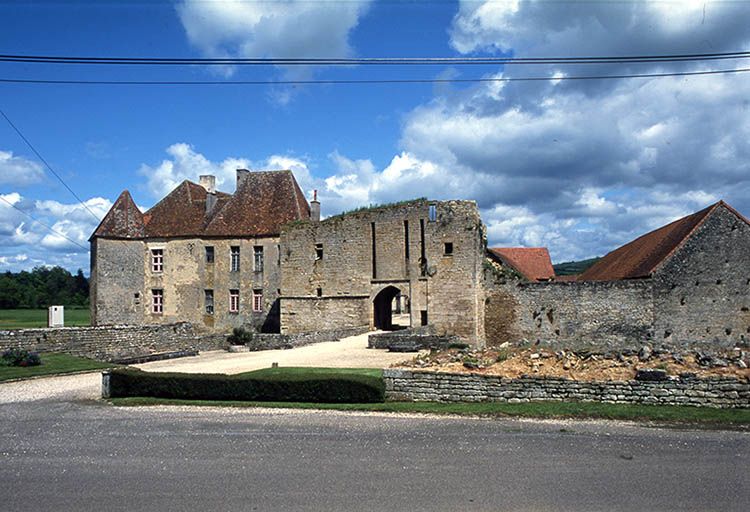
[281,385]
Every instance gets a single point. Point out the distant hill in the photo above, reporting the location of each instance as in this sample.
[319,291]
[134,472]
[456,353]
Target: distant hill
[568,268]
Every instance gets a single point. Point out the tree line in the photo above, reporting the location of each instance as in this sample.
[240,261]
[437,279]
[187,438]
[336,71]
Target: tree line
[43,287]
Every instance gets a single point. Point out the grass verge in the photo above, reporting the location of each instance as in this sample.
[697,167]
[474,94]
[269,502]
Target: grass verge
[579,410]
[52,364]
[32,318]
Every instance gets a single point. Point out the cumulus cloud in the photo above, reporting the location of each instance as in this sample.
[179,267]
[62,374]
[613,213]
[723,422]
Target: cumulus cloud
[18,171]
[289,29]
[46,232]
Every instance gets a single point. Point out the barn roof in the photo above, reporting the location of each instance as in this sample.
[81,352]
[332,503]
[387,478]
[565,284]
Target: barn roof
[533,263]
[641,257]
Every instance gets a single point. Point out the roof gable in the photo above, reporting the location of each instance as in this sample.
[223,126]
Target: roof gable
[641,257]
[123,220]
[533,263]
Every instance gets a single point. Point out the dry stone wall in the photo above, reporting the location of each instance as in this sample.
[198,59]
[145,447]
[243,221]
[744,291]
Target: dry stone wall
[112,343]
[720,392]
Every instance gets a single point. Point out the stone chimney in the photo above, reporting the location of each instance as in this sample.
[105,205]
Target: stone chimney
[315,207]
[208,182]
[241,175]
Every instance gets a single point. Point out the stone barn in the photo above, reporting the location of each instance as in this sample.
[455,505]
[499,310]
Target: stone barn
[686,282]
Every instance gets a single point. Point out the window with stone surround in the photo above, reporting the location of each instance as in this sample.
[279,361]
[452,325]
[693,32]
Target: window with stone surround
[448,248]
[234,258]
[318,251]
[209,254]
[157,301]
[258,258]
[257,301]
[234,301]
[157,260]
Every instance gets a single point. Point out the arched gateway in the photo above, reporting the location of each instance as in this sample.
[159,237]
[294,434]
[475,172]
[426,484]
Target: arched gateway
[382,308]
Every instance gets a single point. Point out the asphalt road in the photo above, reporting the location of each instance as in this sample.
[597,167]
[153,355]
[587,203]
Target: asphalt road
[66,455]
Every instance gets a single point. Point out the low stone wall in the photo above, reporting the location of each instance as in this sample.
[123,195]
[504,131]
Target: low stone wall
[112,343]
[719,392]
[410,340]
[266,341]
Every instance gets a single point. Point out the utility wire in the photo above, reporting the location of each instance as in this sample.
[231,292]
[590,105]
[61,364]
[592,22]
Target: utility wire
[373,81]
[49,167]
[53,230]
[49,59]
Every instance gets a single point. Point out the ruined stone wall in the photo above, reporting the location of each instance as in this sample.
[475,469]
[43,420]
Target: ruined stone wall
[446,287]
[702,293]
[719,392]
[574,315]
[111,343]
[185,276]
[310,314]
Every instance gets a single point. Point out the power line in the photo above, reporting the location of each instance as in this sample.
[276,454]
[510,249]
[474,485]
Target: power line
[43,224]
[374,81]
[49,167]
[170,61]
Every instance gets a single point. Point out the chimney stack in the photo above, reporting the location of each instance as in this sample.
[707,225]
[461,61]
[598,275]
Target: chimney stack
[241,175]
[315,207]
[208,182]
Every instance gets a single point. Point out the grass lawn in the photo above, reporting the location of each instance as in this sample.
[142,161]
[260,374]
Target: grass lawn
[52,364]
[580,410]
[28,318]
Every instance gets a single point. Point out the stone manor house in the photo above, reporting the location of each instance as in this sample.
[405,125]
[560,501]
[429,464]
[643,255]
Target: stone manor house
[263,258]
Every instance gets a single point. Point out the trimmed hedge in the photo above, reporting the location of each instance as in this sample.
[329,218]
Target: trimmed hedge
[298,385]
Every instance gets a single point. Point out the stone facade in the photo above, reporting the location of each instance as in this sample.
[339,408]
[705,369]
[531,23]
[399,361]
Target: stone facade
[123,278]
[719,392]
[346,270]
[112,343]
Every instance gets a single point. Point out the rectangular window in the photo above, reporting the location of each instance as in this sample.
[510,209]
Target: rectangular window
[258,258]
[319,292]
[318,251]
[234,301]
[374,252]
[433,213]
[278,255]
[157,260]
[157,302]
[257,300]
[234,258]
[209,254]
[209,299]
[423,317]
[422,250]
[448,248]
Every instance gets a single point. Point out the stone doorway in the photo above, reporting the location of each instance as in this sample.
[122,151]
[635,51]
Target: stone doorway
[384,307]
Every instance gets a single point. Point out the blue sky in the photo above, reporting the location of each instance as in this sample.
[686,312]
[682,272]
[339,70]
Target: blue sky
[579,167]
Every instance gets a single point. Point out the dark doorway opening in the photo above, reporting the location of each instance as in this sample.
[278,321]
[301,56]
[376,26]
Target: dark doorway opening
[383,309]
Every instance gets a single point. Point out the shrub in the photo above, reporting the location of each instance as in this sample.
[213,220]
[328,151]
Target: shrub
[240,336]
[300,386]
[19,357]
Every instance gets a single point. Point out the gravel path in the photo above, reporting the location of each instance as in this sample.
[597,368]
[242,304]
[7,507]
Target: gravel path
[63,388]
[351,352]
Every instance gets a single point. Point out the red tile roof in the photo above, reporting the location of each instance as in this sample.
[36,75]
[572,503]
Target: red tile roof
[533,263]
[641,257]
[262,203]
[123,220]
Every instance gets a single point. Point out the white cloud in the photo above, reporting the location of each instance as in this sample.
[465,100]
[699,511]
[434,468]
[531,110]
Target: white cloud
[18,171]
[289,29]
